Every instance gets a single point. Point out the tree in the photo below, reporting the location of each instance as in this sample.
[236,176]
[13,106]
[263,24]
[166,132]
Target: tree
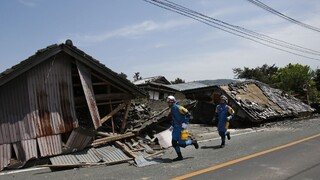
[263,74]
[123,75]
[177,81]
[137,76]
[294,78]
[317,79]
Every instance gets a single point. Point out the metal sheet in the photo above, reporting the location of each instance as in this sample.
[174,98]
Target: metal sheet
[107,154]
[78,139]
[111,154]
[88,155]
[85,78]
[26,150]
[68,159]
[5,155]
[51,97]
[16,124]
[50,145]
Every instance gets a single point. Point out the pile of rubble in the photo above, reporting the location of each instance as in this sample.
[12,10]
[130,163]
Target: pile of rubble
[139,141]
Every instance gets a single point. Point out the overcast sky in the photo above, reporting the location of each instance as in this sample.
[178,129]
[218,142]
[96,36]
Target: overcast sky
[135,36]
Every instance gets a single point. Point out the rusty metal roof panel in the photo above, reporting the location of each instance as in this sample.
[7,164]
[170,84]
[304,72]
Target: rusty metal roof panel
[51,96]
[5,155]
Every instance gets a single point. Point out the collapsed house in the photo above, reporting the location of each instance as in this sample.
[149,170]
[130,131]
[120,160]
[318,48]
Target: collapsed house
[252,101]
[54,102]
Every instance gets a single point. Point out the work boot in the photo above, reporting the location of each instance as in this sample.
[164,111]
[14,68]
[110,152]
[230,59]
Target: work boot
[195,143]
[228,135]
[179,158]
[222,144]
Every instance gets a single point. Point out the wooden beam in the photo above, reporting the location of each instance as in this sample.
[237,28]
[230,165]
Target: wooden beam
[125,118]
[112,138]
[105,97]
[85,77]
[125,149]
[107,117]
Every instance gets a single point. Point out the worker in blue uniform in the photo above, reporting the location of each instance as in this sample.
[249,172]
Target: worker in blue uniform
[180,120]
[223,115]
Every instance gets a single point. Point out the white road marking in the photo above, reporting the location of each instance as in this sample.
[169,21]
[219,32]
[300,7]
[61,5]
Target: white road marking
[239,134]
[22,170]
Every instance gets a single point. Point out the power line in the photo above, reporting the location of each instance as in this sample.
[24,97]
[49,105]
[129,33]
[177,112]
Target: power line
[273,11]
[235,30]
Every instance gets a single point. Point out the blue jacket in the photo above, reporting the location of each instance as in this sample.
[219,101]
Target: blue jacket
[178,114]
[224,115]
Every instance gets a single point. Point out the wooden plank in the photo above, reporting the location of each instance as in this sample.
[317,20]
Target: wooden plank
[104,119]
[125,118]
[125,149]
[112,138]
[86,82]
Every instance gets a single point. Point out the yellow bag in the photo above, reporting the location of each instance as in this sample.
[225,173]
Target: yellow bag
[184,135]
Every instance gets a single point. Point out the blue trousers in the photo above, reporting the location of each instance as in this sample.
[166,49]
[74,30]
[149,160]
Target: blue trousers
[176,140]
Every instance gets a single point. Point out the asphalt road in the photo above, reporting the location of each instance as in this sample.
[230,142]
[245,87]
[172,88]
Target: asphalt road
[297,161]
[294,161]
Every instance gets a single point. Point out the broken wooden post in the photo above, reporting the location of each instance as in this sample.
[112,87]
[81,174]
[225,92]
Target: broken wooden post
[125,118]
[107,117]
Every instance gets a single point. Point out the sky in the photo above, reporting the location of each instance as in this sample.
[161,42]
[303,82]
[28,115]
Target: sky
[132,36]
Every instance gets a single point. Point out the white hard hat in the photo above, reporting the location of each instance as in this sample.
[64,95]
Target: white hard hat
[223,97]
[171,99]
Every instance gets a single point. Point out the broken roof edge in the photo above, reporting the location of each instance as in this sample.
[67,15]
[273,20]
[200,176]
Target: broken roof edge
[28,63]
[124,82]
[51,50]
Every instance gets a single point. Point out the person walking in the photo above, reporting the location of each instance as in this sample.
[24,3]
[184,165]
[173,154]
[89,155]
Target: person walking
[223,114]
[180,120]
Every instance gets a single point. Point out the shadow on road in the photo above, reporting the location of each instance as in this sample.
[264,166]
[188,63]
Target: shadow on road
[211,147]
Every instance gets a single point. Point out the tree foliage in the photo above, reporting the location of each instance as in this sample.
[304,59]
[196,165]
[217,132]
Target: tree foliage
[137,76]
[294,77]
[177,81]
[263,74]
[317,79]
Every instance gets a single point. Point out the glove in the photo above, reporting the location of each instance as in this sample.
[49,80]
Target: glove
[171,128]
[228,118]
[184,125]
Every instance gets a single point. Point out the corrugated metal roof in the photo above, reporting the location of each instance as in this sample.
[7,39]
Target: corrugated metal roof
[26,150]
[78,139]
[108,154]
[50,145]
[88,155]
[67,159]
[186,86]
[111,154]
